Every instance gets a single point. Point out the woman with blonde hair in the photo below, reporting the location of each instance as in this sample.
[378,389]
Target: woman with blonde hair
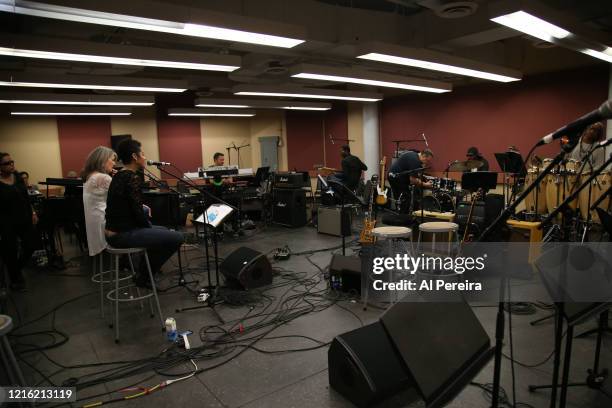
[96,176]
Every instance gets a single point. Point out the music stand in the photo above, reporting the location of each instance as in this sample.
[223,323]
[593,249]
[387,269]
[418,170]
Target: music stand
[343,191]
[212,217]
[475,180]
[511,163]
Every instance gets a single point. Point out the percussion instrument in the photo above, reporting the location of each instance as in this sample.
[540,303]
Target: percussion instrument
[445,184]
[599,186]
[537,194]
[439,201]
[558,187]
[467,165]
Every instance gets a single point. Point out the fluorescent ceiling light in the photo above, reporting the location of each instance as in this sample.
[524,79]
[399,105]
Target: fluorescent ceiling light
[211,112]
[310,93]
[605,55]
[58,111]
[532,25]
[308,71]
[298,108]
[545,23]
[69,99]
[95,16]
[259,103]
[33,47]
[435,61]
[98,83]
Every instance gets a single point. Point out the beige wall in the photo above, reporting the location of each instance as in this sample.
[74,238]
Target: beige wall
[142,126]
[219,133]
[355,128]
[269,123]
[34,145]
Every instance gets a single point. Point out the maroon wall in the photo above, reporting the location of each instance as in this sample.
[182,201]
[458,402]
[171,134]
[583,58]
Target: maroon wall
[493,116]
[308,137]
[304,139]
[178,137]
[78,136]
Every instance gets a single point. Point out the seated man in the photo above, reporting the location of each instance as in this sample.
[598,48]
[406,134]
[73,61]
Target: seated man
[127,219]
[352,169]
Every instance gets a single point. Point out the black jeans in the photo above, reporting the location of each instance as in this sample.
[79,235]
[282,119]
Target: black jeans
[14,258]
[160,242]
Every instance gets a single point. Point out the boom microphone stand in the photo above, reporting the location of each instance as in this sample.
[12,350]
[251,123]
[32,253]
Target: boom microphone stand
[182,282]
[500,323]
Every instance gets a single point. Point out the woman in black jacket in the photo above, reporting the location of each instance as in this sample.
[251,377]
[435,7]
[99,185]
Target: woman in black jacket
[127,218]
[17,220]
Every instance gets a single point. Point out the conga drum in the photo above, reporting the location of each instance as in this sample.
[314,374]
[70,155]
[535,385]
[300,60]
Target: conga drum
[539,192]
[599,185]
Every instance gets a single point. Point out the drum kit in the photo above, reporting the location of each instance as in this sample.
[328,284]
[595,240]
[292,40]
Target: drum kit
[445,192]
[559,184]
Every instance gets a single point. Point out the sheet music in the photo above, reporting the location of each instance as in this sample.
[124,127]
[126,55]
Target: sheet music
[215,214]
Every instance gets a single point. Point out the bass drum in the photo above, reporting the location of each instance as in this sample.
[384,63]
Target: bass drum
[439,202]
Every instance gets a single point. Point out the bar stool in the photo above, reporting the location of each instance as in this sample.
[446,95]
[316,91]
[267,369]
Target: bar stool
[6,352]
[438,227]
[114,295]
[103,277]
[392,235]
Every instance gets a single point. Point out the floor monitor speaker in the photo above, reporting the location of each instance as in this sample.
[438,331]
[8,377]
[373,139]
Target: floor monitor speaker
[246,268]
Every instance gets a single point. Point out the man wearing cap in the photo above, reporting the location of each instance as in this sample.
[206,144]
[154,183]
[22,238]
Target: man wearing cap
[474,154]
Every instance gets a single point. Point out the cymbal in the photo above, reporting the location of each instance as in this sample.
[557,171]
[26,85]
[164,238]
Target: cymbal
[466,165]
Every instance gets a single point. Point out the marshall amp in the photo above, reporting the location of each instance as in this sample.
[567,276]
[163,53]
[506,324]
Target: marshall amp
[289,207]
[291,180]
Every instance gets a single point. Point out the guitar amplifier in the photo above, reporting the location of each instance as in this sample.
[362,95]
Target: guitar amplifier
[329,221]
[291,179]
[289,207]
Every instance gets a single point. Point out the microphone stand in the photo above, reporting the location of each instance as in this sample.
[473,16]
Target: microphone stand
[238,150]
[500,322]
[182,282]
[343,189]
[211,302]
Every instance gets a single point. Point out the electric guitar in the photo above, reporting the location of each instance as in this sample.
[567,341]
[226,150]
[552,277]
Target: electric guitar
[467,235]
[366,237]
[381,190]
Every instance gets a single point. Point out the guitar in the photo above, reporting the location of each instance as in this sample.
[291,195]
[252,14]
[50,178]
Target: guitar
[366,237]
[467,236]
[381,190]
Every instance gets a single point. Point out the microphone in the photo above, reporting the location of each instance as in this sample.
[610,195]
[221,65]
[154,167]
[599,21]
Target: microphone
[601,113]
[603,143]
[425,140]
[157,163]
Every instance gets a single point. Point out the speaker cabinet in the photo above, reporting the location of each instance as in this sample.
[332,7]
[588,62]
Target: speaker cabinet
[345,273]
[289,207]
[330,221]
[437,348]
[364,367]
[246,268]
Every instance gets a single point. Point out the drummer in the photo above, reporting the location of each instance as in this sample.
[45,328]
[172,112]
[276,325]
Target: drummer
[593,134]
[474,154]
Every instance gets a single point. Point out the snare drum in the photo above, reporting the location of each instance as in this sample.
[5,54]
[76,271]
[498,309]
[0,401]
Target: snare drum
[599,186]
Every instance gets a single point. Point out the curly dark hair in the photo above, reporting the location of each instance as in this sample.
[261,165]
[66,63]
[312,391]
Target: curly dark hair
[126,148]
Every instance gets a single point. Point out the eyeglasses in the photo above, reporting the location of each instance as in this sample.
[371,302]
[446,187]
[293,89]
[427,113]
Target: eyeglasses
[7,163]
